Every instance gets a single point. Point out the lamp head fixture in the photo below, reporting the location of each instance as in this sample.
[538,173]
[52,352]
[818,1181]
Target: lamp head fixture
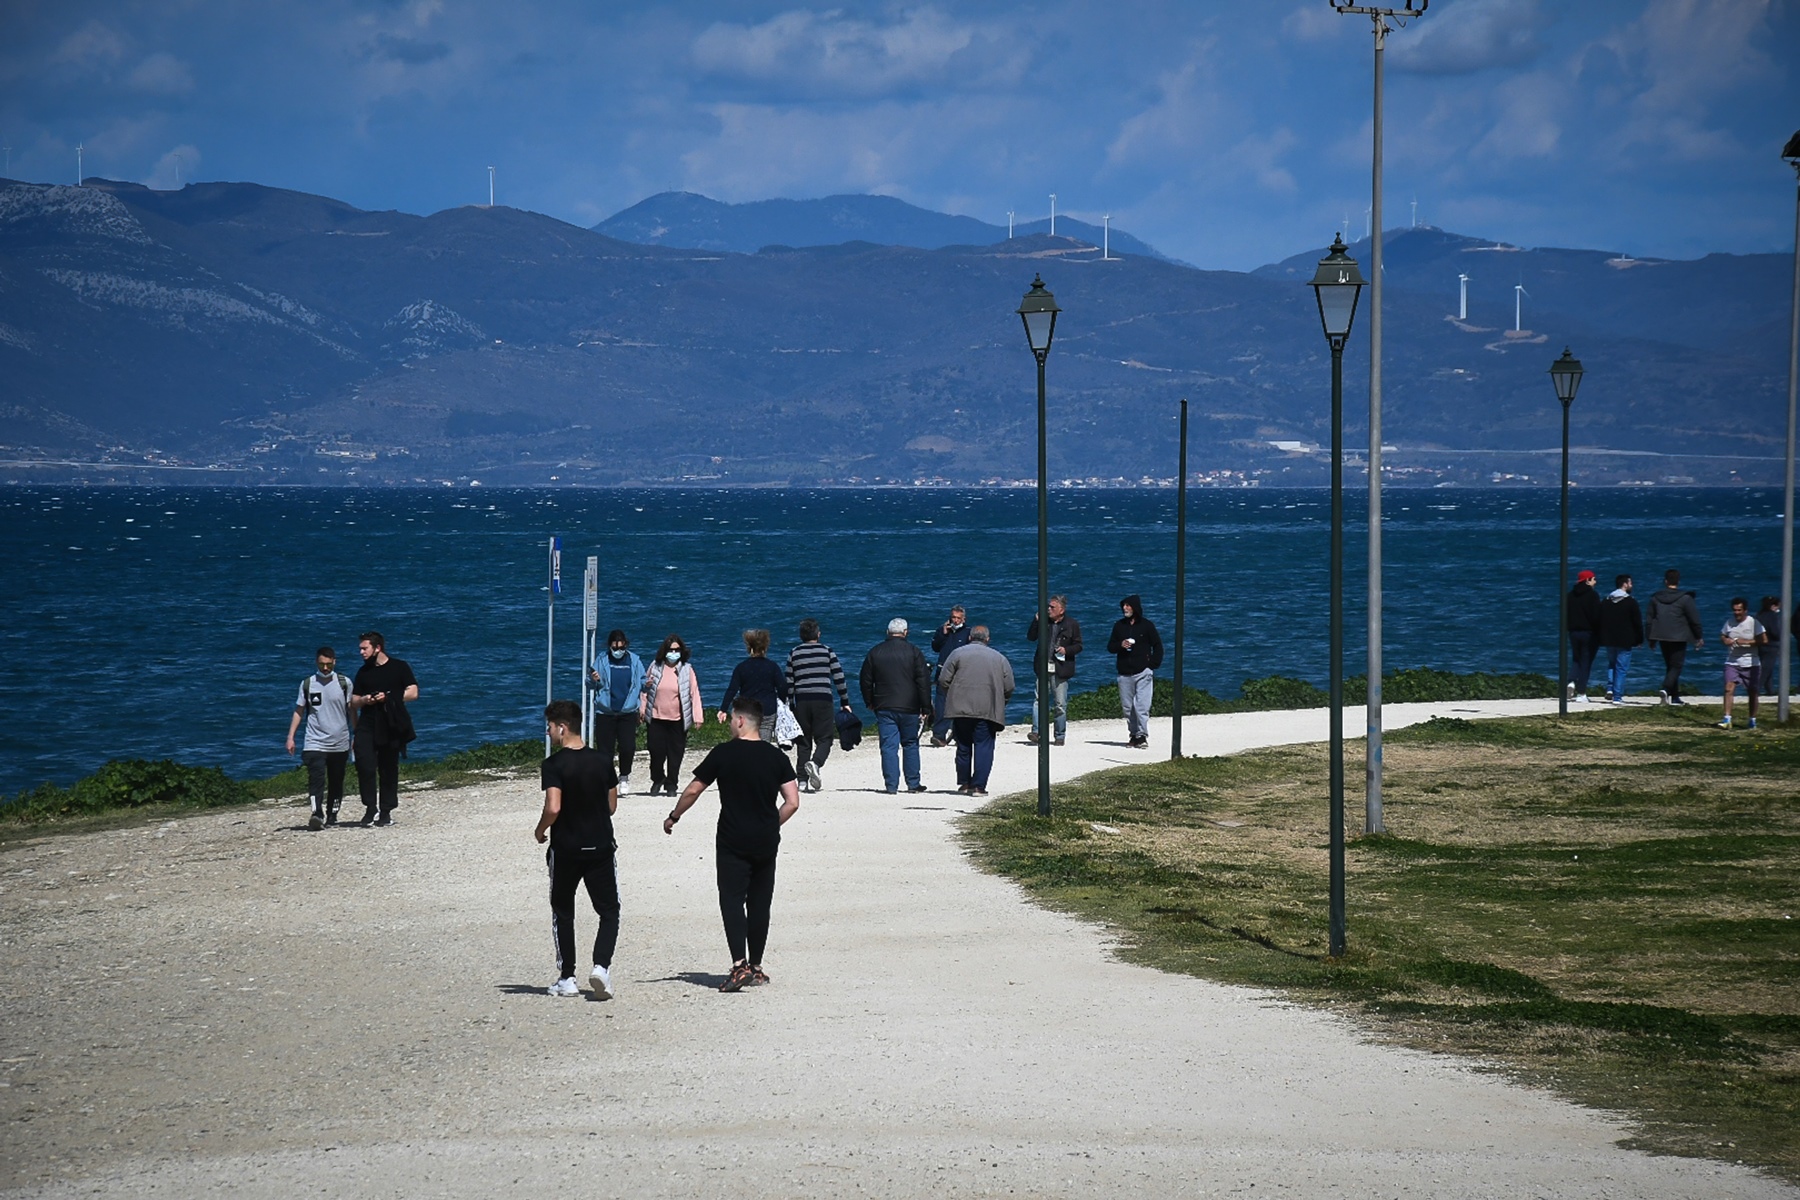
[1038,310]
[1566,374]
[1337,284]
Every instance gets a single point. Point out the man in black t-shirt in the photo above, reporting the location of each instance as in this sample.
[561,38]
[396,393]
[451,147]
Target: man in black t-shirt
[757,795]
[581,794]
[384,687]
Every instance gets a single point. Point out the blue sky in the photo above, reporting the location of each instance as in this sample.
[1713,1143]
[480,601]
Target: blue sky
[1227,135]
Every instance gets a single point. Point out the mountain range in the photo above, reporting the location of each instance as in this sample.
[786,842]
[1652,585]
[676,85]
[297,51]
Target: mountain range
[236,332]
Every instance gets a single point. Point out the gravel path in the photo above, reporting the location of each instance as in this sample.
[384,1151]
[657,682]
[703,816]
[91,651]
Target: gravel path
[228,1004]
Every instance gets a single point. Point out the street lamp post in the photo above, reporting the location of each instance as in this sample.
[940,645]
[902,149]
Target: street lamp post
[1565,373]
[1038,310]
[1791,152]
[1180,579]
[1337,285]
[1385,20]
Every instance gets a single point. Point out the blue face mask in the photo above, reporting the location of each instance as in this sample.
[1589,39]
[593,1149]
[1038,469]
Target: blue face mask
[617,655]
[673,658]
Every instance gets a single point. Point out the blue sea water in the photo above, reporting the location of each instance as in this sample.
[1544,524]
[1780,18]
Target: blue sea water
[177,623]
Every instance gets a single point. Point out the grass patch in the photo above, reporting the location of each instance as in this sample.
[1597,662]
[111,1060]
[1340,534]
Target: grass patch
[1276,692]
[1604,905]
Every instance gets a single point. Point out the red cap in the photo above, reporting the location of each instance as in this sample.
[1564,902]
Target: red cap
[1585,577]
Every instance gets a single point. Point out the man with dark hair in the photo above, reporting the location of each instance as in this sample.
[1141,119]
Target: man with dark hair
[1139,649]
[815,678]
[896,684]
[1583,602]
[1769,617]
[581,794]
[1743,636]
[384,687]
[324,704]
[946,640]
[757,795]
[1621,628]
[1674,623]
[617,678]
[1061,644]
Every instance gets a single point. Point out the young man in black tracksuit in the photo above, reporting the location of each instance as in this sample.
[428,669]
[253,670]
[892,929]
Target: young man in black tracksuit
[581,794]
[1672,625]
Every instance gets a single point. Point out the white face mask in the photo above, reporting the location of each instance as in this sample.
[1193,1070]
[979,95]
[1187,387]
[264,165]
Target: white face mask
[618,655]
[673,658]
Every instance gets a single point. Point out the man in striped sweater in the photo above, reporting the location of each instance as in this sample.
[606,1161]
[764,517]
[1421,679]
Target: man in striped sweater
[815,679]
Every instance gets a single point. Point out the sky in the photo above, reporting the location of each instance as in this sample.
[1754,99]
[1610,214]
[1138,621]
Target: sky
[1226,135]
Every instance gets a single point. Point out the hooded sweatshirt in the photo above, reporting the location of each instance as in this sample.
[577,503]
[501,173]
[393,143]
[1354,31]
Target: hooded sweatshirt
[1674,617]
[1146,650]
[1621,621]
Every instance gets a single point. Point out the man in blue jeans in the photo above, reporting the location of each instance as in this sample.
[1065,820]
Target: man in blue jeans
[896,685]
[1621,628]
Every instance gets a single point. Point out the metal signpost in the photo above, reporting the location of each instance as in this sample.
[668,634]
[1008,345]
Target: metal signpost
[590,650]
[1180,581]
[555,589]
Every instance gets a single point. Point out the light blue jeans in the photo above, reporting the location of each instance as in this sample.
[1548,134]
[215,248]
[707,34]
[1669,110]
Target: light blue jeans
[1059,708]
[1134,698]
[899,732]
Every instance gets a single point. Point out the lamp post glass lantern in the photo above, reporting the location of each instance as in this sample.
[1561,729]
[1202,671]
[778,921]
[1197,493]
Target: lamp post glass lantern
[1565,373]
[1038,310]
[1337,285]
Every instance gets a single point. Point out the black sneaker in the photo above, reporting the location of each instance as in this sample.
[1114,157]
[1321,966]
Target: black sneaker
[368,818]
[741,976]
[315,822]
[920,788]
[331,818]
[384,820]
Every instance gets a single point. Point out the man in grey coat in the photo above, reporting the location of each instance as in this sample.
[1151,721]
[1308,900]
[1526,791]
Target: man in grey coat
[977,682]
[1673,626]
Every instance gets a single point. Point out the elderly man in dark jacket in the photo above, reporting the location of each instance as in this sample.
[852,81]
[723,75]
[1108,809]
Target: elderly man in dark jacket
[1583,601]
[1621,628]
[1062,644]
[1673,626]
[977,682]
[896,684]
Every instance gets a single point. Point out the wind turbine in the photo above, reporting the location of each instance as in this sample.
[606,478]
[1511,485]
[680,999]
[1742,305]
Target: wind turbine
[1106,237]
[78,166]
[490,187]
[1346,226]
[1368,222]
[1462,309]
[1518,307]
[1009,224]
[1415,219]
[1052,214]
[9,162]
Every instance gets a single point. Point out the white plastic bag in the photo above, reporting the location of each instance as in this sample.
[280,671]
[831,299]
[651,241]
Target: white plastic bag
[786,728]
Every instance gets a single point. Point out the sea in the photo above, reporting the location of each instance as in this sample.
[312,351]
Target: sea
[178,622]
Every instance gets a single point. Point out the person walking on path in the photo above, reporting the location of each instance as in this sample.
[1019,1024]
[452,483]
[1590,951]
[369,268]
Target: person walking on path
[324,704]
[1139,649]
[896,685]
[1769,617]
[1673,625]
[977,682]
[384,687]
[757,796]
[1743,636]
[815,679]
[1062,644]
[757,678]
[946,640]
[581,794]
[617,677]
[672,705]
[1583,602]
[1621,629]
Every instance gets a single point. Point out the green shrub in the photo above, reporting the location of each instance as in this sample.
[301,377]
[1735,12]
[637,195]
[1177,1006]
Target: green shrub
[1102,703]
[1278,691]
[493,755]
[1423,685]
[128,783]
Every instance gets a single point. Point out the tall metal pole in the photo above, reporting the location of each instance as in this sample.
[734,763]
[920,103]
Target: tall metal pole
[1180,580]
[1043,602]
[1787,508]
[1337,648]
[1562,583]
[550,633]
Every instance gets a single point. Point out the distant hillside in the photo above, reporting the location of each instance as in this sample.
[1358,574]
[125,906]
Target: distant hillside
[699,223]
[270,335]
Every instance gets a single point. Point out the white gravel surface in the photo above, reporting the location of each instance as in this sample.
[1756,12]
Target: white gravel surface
[227,1004]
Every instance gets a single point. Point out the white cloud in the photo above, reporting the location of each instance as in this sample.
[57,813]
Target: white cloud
[1188,114]
[1467,37]
[162,74]
[829,54]
[174,169]
[93,46]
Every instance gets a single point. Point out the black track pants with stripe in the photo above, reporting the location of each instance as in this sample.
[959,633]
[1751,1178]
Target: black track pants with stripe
[597,870]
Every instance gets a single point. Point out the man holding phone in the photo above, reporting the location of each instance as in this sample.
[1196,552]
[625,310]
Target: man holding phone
[950,637]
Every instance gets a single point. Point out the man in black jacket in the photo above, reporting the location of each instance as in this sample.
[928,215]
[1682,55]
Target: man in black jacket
[384,687]
[896,685]
[1674,625]
[1062,645]
[1584,620]
[1139,648]
[1621,631]
[950,637]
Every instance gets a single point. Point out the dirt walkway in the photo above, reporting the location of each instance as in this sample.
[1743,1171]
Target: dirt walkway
[228,1004]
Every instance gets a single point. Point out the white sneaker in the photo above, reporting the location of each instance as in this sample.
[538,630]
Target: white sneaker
[1569,690]
[564,987]
[625,786]
[811,771]
[1662,696]
[600,983]
[1582,699]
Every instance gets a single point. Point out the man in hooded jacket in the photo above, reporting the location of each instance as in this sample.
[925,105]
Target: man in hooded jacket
[1140,650]
[1583,601]
[1673,626]
[1621,632]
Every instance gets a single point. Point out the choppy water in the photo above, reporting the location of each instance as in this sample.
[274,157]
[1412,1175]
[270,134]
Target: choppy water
[178,622]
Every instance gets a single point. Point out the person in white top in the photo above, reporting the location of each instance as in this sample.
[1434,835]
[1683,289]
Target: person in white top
[324,704]
[1743,636]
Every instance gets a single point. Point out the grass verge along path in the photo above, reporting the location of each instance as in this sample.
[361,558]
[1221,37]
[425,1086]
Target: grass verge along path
[1606,906]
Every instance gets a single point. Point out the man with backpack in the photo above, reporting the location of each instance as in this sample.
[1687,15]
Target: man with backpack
[324,704]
